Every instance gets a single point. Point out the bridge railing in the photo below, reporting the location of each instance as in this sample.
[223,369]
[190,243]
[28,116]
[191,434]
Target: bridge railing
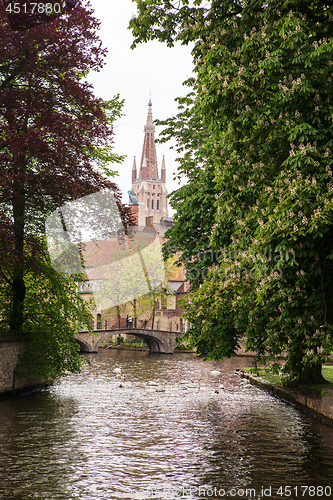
[128,330]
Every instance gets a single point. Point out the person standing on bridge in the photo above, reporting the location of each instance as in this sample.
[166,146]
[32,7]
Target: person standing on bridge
[130,322]
[127,321]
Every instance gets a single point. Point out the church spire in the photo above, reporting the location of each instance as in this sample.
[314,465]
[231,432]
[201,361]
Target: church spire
[148,187]
[163,170]
[149,149]
[134,170]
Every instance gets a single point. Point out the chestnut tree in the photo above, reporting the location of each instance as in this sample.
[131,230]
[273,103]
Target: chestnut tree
[262,91]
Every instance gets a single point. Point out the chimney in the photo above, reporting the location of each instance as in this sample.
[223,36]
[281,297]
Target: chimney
[149,220]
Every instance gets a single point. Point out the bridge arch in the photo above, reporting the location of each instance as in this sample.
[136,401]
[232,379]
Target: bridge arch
[84,345]
[158,341]
[154,344]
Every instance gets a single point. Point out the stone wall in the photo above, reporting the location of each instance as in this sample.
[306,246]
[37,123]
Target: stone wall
[9,383]
[320,405]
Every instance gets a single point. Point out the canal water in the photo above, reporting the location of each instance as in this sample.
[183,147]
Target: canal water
[88,438]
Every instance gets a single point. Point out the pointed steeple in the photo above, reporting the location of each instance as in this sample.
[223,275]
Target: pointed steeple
[134,170]
[149,148]
[148,187]
[163,170]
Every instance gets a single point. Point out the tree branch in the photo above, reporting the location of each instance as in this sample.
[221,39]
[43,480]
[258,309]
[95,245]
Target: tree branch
[15,73]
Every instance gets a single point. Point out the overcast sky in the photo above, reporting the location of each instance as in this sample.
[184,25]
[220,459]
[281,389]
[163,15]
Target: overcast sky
[133,74]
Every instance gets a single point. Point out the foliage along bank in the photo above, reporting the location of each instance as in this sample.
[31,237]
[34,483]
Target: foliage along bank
[55,145]
[259,159]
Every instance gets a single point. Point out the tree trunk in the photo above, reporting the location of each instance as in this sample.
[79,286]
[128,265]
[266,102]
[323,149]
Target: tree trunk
[135,313]
[313,376]
[18,296]
[118,314]
[153,315]
[18,285]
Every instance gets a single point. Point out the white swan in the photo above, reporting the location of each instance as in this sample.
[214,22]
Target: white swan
[245,384]
[193,385]
[152,383]
[215,373]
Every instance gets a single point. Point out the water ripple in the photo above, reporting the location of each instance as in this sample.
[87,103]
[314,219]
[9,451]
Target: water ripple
[88,438]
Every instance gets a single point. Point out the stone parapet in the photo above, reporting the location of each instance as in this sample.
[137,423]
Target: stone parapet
[10,385]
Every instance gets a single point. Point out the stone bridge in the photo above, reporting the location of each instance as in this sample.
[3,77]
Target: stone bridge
[158,340]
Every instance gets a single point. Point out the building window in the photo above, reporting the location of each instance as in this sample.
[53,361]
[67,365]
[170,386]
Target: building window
[152,204]
[153,186]
[147,203]
[158,205]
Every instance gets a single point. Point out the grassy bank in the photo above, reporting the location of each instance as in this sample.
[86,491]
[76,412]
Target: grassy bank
[320,390]
[120,341]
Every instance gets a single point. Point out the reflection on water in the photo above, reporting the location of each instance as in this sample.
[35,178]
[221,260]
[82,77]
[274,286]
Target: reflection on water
[88,438]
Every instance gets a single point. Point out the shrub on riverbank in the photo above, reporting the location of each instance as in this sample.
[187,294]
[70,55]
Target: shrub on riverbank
[134,343]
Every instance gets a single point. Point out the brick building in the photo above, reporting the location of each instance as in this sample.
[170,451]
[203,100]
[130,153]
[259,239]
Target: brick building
[148,199]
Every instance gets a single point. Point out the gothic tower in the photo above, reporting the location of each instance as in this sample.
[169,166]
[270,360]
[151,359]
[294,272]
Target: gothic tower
[148,187]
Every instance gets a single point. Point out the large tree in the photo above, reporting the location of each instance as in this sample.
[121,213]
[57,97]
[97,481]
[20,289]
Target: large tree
[55,144]
[263,89]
